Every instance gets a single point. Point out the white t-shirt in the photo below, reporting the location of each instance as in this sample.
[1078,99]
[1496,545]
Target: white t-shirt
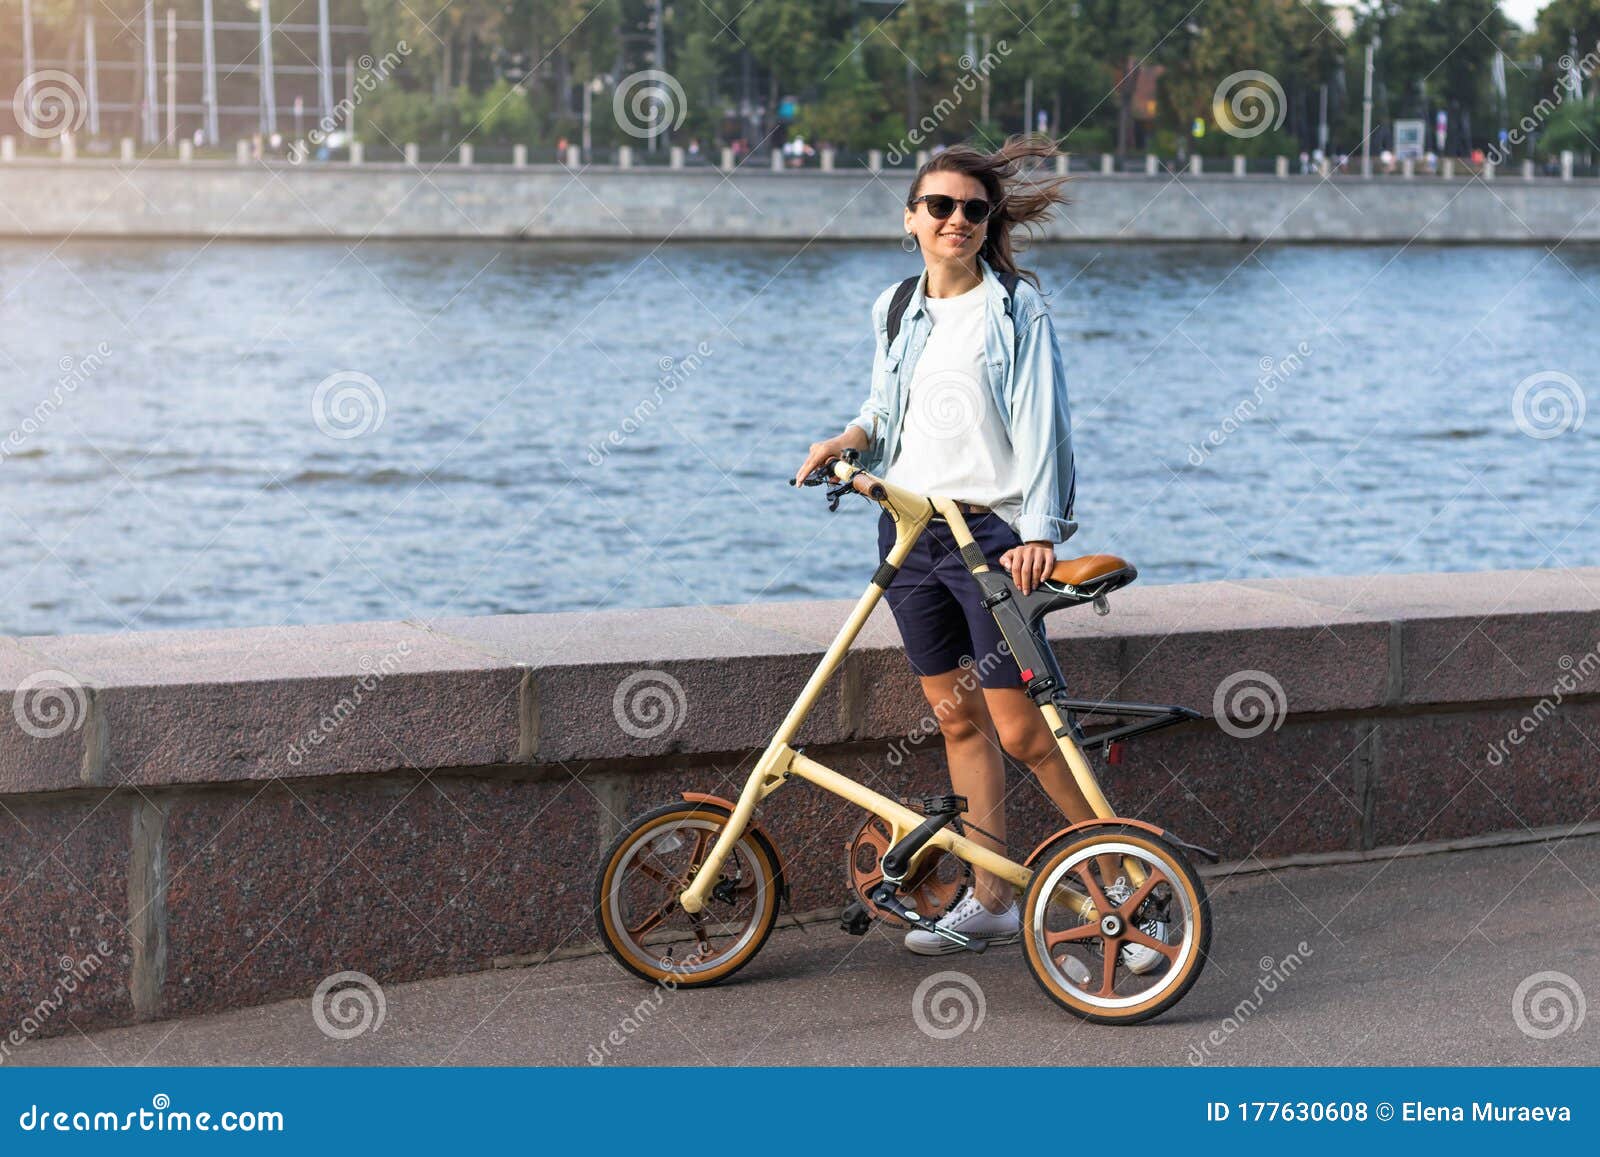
[953,442]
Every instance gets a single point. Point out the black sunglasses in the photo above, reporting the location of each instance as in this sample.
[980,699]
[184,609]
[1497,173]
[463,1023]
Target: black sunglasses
[940,207]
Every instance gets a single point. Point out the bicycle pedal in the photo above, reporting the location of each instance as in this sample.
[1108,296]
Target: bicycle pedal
[855,919]
[941,805]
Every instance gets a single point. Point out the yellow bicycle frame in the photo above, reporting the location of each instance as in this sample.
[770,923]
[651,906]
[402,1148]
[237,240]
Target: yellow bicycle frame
[911,513]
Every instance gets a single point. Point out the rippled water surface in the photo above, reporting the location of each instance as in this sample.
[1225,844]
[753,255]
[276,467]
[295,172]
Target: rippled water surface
[186,480]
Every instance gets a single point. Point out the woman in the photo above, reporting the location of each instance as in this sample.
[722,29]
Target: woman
[969,401]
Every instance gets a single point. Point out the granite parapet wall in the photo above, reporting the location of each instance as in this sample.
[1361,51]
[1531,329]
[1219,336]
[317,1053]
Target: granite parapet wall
[197,820]
[206,200]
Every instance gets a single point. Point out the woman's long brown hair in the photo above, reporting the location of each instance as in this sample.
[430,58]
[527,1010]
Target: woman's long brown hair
[1021,191]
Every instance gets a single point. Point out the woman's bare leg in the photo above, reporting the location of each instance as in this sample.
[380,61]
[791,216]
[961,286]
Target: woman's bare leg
[977,769]
[1025,734]
[976,723]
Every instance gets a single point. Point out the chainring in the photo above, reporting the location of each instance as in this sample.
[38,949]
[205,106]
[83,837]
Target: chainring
[935,885]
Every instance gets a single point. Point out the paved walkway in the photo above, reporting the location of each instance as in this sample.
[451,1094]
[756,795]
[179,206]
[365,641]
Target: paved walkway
[1411,961]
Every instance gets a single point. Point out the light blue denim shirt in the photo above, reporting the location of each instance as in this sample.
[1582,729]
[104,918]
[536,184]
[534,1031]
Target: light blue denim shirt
[1026,377]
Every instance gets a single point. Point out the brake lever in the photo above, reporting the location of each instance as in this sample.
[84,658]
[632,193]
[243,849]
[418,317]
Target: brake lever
[816,478]
[823,475]
[837,492]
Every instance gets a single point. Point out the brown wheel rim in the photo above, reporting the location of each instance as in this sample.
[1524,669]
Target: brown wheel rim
[653,868]
[1083,957]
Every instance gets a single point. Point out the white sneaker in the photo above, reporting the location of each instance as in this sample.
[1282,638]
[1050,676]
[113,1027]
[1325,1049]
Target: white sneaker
[970,918]
[1138,957]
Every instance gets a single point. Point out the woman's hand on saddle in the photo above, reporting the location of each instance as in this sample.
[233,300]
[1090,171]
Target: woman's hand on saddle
[821,453]
[1029,563]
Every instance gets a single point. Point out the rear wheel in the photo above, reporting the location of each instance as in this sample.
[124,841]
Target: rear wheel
[649,866]
[1082,932]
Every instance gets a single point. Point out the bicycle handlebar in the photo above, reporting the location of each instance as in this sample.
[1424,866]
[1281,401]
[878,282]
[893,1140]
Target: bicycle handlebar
[842,474]
[867,486]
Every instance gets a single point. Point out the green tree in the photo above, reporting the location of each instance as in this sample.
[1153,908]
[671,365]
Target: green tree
[1565,39]
[1050,43]
[852,113]
[1127,37]
[1574,126]
[1560,25]
[797,44]
[1438,54]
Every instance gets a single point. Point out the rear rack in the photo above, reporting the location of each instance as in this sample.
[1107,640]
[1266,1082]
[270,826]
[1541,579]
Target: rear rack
[1149,717]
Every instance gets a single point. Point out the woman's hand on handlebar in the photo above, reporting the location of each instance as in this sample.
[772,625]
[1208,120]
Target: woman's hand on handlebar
[1029,563]
[821,453]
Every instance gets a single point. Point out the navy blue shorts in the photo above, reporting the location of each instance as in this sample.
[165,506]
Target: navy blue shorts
[937,603]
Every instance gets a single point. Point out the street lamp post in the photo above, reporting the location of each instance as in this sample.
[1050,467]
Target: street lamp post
[209,56]
[1322,121]
[594,88]
[324,63]
[661,63]
[269,87]
[1366,111]
[148,116]
[27,39]
[172,78]
[91,66]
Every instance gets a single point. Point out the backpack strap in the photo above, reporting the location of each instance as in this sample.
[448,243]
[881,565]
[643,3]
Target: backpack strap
[902,299]
[898,303]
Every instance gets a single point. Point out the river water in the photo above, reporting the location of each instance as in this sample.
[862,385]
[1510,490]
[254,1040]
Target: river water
[517,428]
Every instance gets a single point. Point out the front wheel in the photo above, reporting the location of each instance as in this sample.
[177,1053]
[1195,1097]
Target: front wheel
[1107,949]
[648,867]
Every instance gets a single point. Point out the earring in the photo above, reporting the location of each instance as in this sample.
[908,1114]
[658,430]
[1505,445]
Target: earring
[909,243]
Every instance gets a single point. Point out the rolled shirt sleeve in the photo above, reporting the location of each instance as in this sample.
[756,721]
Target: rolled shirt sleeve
[1041,434]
